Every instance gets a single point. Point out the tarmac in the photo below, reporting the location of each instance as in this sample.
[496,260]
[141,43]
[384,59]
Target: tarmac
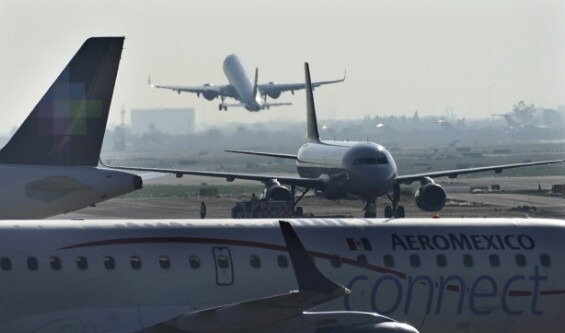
[460,202]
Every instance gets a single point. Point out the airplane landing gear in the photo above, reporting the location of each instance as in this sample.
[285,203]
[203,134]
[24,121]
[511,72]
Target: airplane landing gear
[395,210]
[222,105]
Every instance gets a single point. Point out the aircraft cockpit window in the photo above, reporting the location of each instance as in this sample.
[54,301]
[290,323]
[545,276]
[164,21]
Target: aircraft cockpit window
[55,263]
[6,264]
[545,260]
[370,160]
[382,160]
[388,260]
[494,260]
[135,262]
[109,263]
[520,260]
[467,260]
[336,261]
[32,263]
[194,262]
[255,261]
[164,262]
[362,261]
[282,260]
[415,260]
[82,264]
[441,260]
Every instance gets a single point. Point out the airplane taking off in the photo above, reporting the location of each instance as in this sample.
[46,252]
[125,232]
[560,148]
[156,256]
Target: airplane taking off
[49,166]
[339,168]
[306,275]
[250,94]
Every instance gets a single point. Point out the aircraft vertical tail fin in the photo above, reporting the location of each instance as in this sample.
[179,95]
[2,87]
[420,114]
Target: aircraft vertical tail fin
[311,120]
[256,83]
[67,126]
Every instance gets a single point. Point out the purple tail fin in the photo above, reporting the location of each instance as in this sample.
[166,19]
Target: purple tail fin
[67,126]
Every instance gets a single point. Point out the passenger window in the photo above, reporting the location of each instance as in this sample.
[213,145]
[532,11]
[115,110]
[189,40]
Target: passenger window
[520,260]
[441,260]
[415,260]
[32,263]
[55,263]
[388,260]
[362,261]
[223,261]
[545,260]
[467,260]
[82,264]
[336,261]
[164,262]
[109,263]
[194,262]
[135,262]
[494,260]
[255,261]
[282,260]
[6,264]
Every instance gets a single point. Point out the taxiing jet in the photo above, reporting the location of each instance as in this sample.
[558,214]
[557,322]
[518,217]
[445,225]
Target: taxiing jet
[49,166]
[307,275]
[339,168]
[250,94]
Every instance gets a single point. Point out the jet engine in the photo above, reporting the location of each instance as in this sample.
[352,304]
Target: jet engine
[209,95]
[277,192]
[334,185]
[430,197]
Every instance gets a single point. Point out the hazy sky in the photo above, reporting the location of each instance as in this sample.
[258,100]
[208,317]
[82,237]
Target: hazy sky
[400,56]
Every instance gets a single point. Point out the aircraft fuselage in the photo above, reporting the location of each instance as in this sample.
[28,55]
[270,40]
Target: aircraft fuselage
[364,169]
[497,275]
[40,191]
[242,83]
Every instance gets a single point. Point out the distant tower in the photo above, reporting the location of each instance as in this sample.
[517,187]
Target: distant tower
[121,131]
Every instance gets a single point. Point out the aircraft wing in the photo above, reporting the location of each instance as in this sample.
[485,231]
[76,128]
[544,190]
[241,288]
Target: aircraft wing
[314,289]
[277,88]
[207,89]
[311,183]
[260,153]
[406,179]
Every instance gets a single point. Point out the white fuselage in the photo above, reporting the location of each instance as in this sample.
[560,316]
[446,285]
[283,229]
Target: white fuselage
[367,169]
[442,275]
[242,83]
[40,191]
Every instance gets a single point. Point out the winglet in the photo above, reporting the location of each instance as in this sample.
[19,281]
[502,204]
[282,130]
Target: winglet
[311,120]
[307,274]
[67,126]
[256,84]
[149,81]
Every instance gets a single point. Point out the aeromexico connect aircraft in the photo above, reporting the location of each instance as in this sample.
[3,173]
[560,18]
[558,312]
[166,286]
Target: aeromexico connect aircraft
[49,166]
[309,276]
[339,168]
[250,94]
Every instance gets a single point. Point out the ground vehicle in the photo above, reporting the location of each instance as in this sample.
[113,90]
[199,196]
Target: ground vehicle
[262,208]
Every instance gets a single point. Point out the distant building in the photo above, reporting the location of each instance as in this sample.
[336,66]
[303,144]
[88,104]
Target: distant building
[166,120]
